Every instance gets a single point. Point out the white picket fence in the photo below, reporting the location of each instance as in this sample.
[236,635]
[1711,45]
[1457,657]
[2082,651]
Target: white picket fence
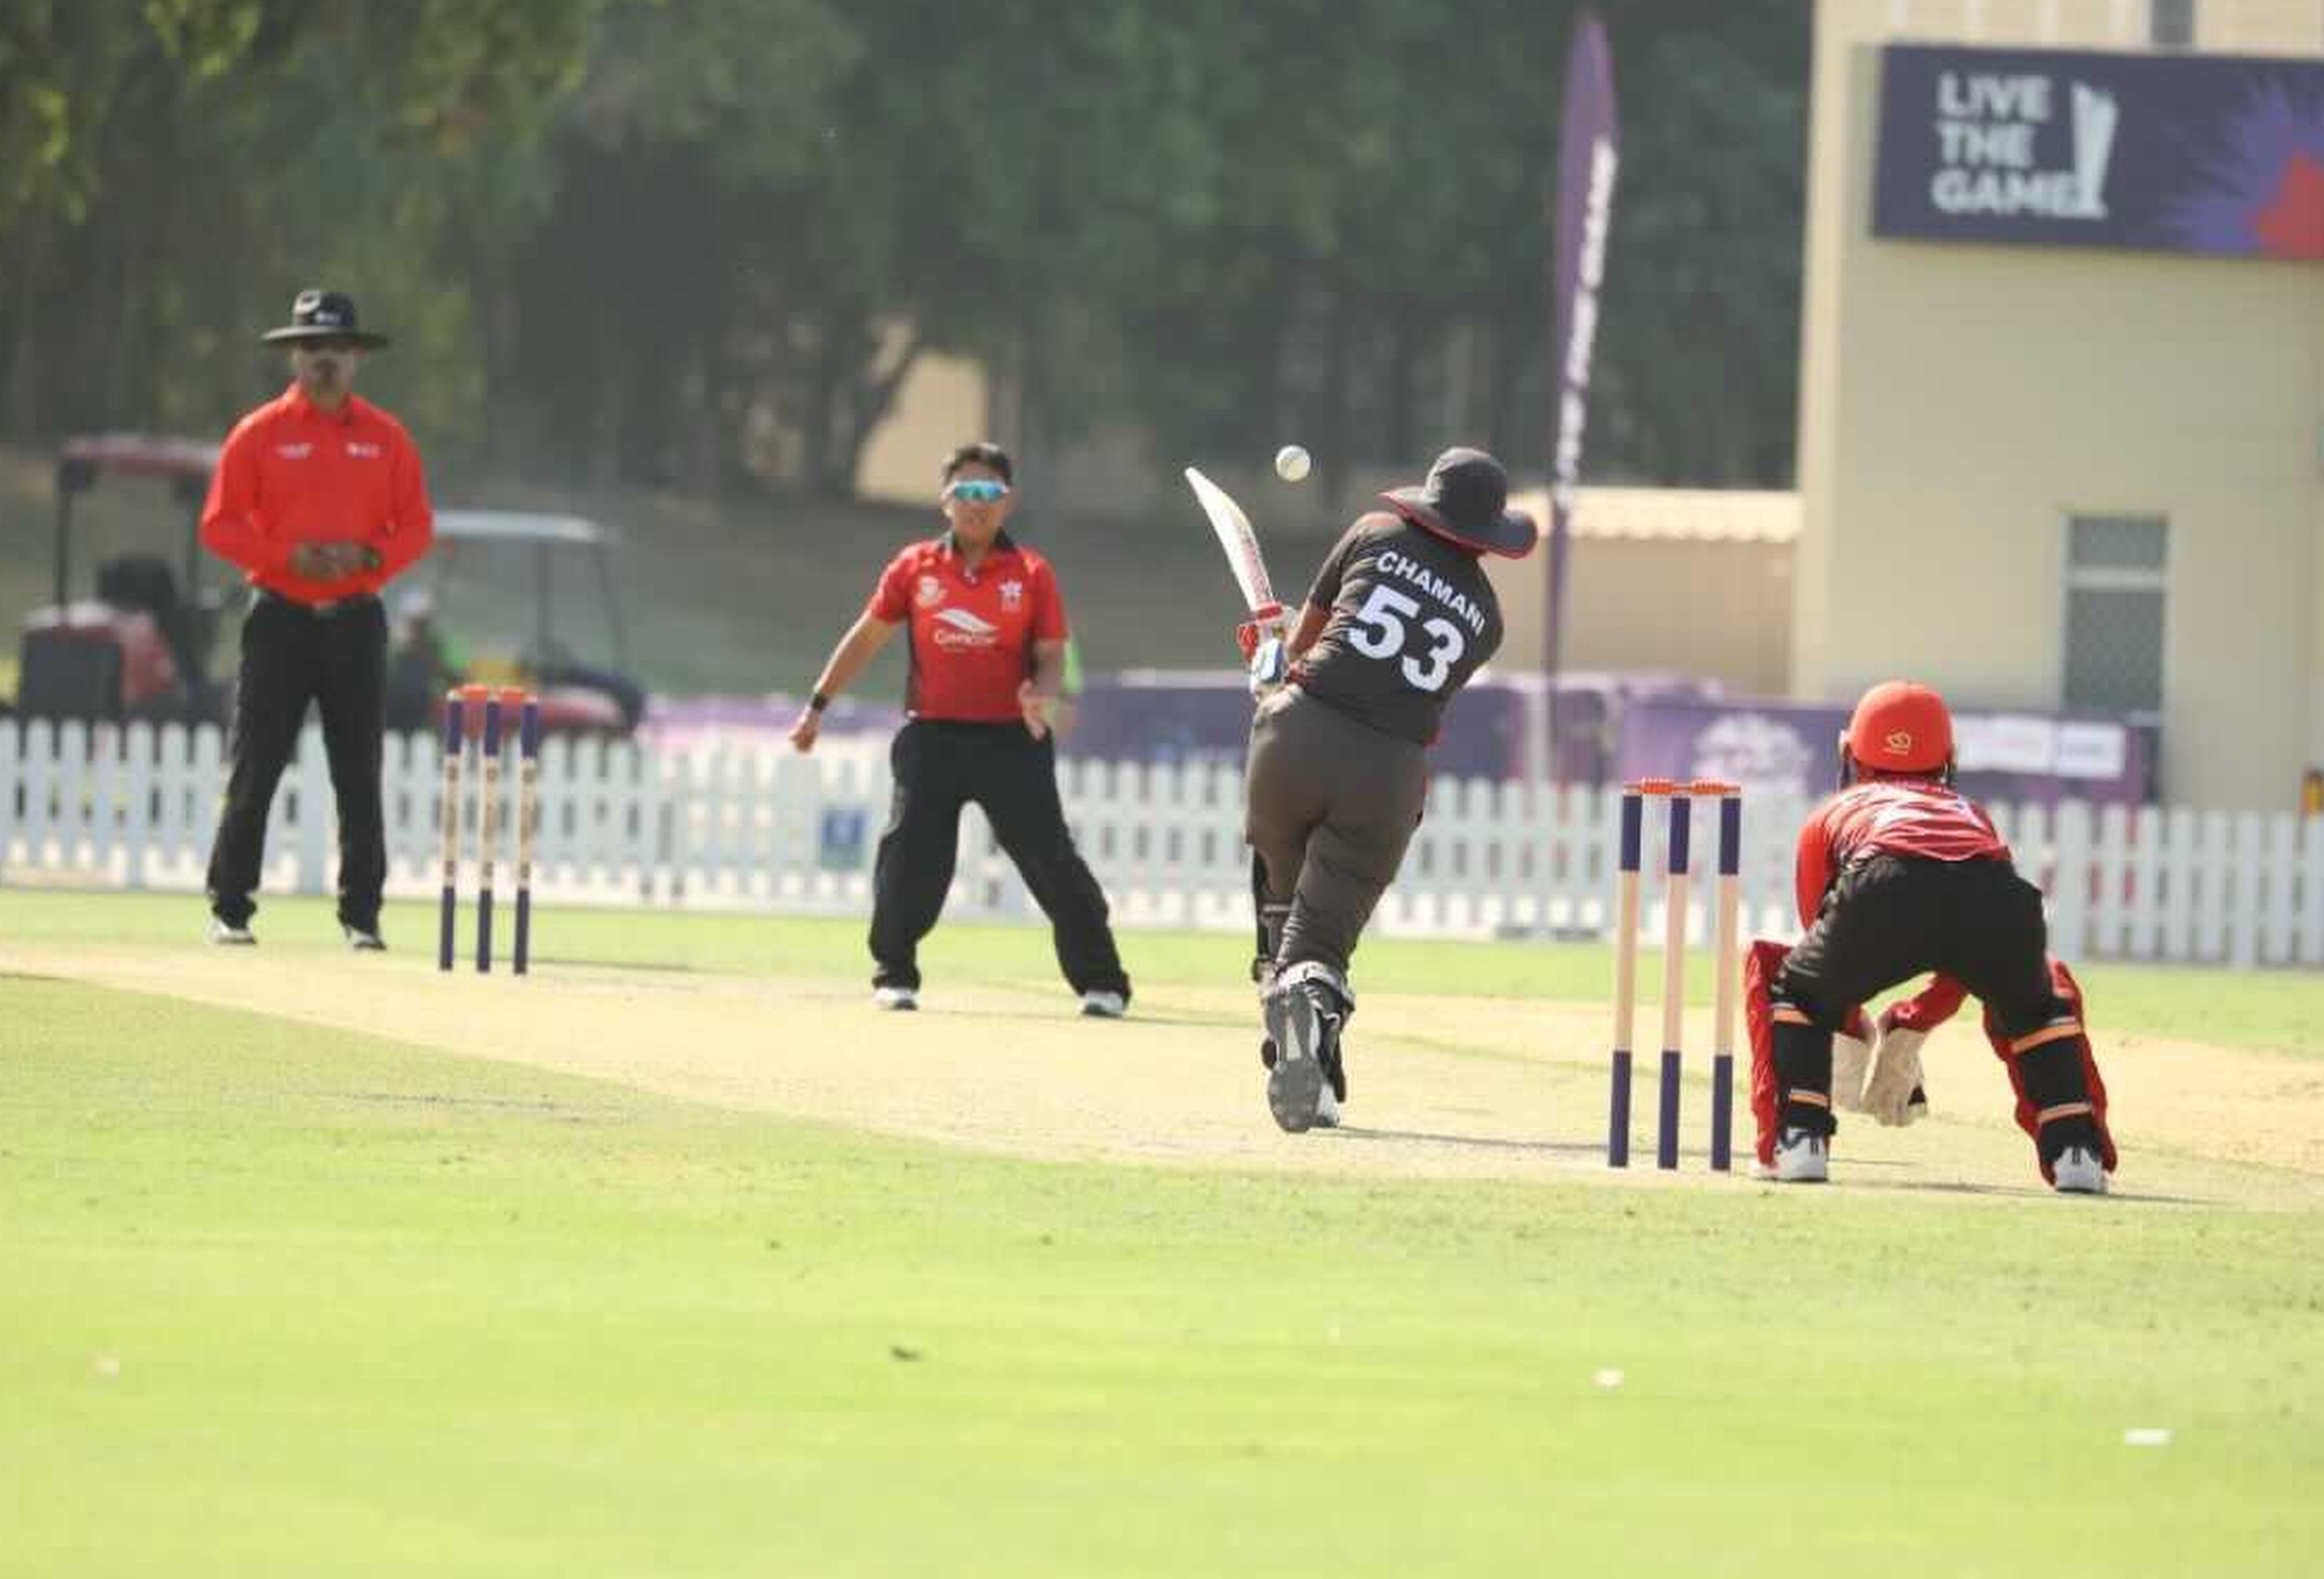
[746,824]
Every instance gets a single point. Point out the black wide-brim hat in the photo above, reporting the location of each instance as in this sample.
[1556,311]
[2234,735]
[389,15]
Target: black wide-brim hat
[324,315]
[1466,499]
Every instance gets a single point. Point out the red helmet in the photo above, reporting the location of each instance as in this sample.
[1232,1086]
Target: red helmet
[1900,728]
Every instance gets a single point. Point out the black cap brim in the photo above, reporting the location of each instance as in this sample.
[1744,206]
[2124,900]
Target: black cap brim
[1512,534]
[295,333]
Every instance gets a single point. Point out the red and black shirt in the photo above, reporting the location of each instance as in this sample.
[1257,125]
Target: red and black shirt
[292,472]
[1890,816]
[972,632]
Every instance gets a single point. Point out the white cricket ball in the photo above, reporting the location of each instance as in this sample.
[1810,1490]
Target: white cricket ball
[1291,462]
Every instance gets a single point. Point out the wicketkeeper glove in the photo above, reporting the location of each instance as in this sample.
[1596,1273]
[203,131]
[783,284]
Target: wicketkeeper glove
[1894,1095]
[1851,1054]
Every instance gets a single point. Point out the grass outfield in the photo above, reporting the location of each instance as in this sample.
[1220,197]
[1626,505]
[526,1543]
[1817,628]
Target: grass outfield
[282,1297]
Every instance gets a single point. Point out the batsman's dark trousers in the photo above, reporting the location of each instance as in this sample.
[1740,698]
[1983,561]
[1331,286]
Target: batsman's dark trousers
[941,766]
[1329,804]
[291,655]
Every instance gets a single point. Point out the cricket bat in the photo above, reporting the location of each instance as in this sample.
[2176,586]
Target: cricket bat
[1241,546]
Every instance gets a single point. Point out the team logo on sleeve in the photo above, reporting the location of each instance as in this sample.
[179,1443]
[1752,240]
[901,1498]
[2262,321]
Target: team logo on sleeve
[957,628]
[930,591]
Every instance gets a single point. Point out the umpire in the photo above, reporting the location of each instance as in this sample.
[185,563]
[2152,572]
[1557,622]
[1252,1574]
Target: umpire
[318,499]
[988,658]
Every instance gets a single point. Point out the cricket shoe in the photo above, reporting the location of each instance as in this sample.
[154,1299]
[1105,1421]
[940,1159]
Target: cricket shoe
[227,933]
[1303,1087]
[1104,1005]
[899,999]
[363,940]
[2078,1171]
[1801,1157]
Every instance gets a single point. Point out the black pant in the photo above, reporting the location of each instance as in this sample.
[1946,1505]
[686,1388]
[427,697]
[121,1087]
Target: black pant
[939,767]
[1889,918]
[1330,804]
[292,655]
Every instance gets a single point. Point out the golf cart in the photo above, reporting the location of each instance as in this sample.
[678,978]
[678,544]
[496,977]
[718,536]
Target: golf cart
[139,649]
[513,598]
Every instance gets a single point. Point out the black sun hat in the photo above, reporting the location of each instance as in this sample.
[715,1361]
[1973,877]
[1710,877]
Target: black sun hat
[1466,499]
[324,315]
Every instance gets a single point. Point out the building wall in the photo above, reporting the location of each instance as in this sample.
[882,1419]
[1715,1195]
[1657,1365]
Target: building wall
[944,402]
[1959,403]
[1671,581]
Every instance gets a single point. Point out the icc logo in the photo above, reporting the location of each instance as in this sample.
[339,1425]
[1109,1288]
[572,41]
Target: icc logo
[931,592]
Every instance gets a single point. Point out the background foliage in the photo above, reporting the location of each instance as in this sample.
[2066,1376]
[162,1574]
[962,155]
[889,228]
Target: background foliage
[641,243]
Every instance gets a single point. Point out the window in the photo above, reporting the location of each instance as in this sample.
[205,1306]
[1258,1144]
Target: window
[2170,24]
[2116,574]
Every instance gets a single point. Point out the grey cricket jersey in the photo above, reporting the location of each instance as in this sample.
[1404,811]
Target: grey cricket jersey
[1412,618]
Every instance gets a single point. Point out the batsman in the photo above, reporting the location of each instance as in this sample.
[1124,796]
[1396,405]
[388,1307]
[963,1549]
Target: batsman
[1399,617]
[1898,874]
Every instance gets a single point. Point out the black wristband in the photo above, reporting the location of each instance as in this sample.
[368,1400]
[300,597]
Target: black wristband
[819,702]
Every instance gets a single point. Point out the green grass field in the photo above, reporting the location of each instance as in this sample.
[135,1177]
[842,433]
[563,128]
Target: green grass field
[284,1297]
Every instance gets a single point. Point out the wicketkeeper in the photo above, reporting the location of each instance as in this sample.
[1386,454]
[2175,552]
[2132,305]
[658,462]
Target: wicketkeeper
[1399,617]
[1899,874]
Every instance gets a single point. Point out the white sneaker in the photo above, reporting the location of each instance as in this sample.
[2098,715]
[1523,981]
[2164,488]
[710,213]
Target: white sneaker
[898,999]
[1801,1158]
[1104,1005]
[362,942]
[2079,1172]
[225,931]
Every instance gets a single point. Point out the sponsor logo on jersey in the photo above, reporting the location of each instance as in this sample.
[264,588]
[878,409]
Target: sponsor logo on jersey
[957,629]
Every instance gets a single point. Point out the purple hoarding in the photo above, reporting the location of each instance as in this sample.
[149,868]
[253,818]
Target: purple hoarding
[1793,748]
[2179,153]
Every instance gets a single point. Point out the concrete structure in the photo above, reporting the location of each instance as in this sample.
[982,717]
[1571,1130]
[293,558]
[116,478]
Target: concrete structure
[1663,580]
[2007,451]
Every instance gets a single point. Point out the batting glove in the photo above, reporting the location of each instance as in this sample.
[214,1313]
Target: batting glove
[1269,666]
[1262,624]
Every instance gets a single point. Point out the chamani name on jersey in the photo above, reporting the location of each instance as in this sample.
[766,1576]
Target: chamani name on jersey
[1415,573]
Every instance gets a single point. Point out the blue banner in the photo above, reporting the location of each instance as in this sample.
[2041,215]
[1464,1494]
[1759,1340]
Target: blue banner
[2179,153]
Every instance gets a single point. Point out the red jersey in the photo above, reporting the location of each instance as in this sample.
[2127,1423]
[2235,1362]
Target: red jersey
[972,632]
[292,472]
[1890,816]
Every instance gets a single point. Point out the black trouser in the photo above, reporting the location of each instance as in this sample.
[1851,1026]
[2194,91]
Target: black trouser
[1329,806]
[292,655]
[1889,918]
[939,767]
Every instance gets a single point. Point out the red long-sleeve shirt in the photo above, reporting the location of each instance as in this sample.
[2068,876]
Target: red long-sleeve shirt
[292,472]
[1889,816]
[1896,816]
